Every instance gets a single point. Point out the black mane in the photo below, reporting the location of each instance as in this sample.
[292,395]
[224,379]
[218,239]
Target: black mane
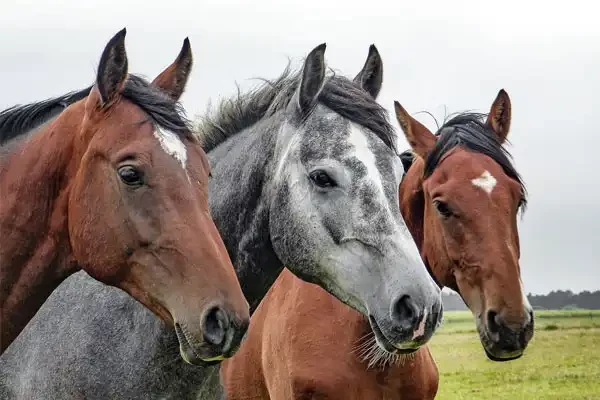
[162,109]
[20,119]
[470,131]
[164,112]
[341,95]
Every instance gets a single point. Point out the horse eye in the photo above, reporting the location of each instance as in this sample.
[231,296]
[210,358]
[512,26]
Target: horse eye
[322,179]
[130,175]
[442,208]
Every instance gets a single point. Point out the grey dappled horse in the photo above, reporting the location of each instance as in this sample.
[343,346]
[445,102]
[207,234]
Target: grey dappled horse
[305,174]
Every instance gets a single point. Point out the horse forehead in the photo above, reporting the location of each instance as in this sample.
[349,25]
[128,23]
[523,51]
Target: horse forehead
[464,173]
[486,181]
[380,165]
[376,180]
[172,144]
[325,136]
[465,165]
[329,135]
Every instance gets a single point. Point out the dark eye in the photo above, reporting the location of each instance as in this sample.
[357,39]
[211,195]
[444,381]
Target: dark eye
[322,179]
[130,175]
[442,208]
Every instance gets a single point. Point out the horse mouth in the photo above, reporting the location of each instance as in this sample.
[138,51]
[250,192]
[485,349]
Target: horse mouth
[384,342]
[508,357]
[189,354]
[494,352]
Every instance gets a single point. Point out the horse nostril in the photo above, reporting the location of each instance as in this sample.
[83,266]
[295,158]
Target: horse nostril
[493,321]
[530,322]
[215,326]
[405,313]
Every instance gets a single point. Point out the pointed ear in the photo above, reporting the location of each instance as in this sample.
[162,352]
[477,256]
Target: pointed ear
[371,76]
[112,71]
[313,79]
[421,140]
[500,115]
[174,78]
[407,159]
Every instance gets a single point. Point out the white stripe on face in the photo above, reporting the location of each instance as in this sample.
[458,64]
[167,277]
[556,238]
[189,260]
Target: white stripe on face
[172,145]
[357,138]
[486,182]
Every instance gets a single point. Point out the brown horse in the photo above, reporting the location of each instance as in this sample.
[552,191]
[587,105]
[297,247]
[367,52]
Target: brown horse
[460,198]
[116,185]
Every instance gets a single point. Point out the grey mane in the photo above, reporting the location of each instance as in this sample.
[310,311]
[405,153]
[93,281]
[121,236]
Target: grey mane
[339,94]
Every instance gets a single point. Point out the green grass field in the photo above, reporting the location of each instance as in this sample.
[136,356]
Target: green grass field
[561,362]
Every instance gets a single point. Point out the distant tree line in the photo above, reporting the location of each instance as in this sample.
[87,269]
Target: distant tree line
[555,300]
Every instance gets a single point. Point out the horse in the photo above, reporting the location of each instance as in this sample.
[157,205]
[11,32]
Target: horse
[460,198]
[116,184]
[305,174]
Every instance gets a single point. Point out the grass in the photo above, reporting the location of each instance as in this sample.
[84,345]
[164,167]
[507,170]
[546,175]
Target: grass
[561,362]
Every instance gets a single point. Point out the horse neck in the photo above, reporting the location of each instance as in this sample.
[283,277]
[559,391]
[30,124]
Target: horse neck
[19,138]
[239,202]
[34,251]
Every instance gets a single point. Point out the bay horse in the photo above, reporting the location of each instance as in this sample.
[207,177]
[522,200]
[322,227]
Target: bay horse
[116,184]
[302,165]
[460,198]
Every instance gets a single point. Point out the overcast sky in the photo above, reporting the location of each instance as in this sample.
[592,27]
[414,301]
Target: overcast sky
[438,55]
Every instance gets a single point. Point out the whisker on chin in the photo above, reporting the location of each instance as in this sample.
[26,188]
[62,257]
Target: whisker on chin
[374,356]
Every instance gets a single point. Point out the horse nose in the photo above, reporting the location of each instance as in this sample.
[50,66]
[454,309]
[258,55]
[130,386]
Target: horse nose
[215,326]
[221,332]
[530,321]
[404,313]
[494,322]
[509,337]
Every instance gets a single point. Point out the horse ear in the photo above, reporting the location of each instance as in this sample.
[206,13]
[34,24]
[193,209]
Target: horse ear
[313,78]
[421,140]
[407,159]
[500,114]
[174,78]
[371,75]
[112,71]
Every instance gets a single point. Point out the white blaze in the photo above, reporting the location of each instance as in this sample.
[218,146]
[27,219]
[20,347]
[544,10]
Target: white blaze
[486,182]
[172,145]
[358,139]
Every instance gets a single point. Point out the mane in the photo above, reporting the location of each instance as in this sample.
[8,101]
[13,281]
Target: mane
[340,94]
[470,131]
[164,112]
[18,120]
